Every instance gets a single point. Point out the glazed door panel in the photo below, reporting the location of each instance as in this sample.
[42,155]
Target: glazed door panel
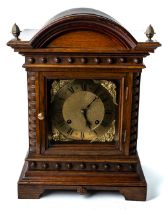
[57,141]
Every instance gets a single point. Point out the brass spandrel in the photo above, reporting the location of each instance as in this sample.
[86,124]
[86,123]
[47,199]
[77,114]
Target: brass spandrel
[111,87]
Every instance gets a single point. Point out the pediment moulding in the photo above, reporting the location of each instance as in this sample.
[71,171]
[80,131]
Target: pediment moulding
[79,30]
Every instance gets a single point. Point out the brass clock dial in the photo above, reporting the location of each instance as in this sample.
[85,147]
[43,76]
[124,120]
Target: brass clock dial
[82,110]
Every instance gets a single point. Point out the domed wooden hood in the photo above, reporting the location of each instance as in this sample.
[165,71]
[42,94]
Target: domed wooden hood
[83,27]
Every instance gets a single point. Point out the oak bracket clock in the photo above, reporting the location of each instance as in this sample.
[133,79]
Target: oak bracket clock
[83,78]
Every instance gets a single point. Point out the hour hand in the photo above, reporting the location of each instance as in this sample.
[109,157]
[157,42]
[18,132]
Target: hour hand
[88,124]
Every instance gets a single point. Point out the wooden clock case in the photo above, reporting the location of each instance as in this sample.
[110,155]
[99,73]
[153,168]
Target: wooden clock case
[83,44]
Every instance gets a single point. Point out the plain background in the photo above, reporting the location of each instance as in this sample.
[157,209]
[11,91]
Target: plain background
[153,127]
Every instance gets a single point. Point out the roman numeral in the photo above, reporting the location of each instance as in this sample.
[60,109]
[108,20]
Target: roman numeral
[60,99]
[97,90]
[82,135]
[84,86]
[108,112]
[105,123]
[59,110]
[61,123]
[104,99]
[70,131]
[71,89]
[95,132]
[100,93]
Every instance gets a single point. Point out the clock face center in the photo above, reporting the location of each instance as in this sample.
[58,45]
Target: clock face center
[84,110]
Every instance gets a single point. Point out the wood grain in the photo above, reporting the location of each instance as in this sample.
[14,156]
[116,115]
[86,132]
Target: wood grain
[83,46]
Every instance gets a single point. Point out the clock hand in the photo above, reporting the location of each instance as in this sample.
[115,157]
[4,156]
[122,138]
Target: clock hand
[84,111]
[91,103]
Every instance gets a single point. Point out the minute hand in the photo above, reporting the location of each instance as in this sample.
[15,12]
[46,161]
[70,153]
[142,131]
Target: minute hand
[91,103]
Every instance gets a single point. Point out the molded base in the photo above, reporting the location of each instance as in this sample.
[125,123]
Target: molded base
[32,184]
[36,191]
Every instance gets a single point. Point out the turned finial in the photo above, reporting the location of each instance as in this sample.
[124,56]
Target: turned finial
[16,31]
[149,33]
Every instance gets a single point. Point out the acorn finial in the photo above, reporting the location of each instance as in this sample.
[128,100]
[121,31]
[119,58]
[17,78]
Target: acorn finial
[149,33]
[16,31]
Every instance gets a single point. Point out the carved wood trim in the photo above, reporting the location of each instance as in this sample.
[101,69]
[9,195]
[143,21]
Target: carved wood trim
[31,78]
[91,59]
[134,114]
[81,166]
[142,48]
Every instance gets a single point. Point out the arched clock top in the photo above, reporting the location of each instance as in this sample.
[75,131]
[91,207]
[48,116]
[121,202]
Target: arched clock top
[81,30]
[79,23]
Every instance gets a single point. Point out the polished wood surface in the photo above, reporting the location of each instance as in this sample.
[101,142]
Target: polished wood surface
[85,21]
[83,46]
